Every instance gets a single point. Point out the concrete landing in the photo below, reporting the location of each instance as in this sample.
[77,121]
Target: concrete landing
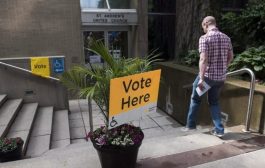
[203,155]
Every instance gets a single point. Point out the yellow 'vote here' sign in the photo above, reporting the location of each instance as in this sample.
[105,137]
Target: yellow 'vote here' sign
[40,66]
[131,96]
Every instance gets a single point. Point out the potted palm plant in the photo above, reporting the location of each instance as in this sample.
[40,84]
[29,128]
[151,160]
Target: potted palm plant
[116,147]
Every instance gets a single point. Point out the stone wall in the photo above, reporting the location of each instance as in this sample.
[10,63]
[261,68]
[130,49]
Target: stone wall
[41,28]
[174,98]
[141,41]
[31,88]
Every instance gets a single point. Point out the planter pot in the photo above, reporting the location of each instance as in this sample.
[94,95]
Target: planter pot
[117,157]
[15,154]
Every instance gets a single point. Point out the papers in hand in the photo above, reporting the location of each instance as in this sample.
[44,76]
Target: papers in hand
[206,87]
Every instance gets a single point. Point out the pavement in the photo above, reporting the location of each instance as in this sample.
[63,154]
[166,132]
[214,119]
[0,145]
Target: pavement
[153,124]
[164,145]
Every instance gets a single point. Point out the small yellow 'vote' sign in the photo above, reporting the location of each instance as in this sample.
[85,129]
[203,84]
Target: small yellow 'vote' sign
[132,96]
[40,66]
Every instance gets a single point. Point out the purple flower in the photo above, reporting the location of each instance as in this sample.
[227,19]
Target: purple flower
[123,135]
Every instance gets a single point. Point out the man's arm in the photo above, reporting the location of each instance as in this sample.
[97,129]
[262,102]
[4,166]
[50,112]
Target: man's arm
[202,68]
[230,57]
[203,65]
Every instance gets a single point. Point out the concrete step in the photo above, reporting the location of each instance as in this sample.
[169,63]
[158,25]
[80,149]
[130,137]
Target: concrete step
[23,123]
[3,98]
[171,131]
[78,155]
[250,159]
[60,130]
[193,140]
[212,151]
[40,139]
[8,113]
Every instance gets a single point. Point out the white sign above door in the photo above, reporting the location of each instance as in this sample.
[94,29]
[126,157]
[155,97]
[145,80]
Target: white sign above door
[109,17]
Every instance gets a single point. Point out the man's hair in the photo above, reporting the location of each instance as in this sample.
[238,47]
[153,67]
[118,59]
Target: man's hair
[209,20]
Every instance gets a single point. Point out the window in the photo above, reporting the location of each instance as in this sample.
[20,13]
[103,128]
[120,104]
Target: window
[93,4]
[112,4]
[116,41]
[161,27]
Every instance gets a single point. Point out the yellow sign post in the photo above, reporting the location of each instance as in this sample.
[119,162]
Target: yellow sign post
[131,96]
[40,66]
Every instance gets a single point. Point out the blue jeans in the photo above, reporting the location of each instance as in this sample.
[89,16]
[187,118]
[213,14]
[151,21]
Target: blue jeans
[213,96]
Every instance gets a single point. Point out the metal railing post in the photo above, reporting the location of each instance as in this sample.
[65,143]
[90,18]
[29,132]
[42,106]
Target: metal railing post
[251,93]
[90,115]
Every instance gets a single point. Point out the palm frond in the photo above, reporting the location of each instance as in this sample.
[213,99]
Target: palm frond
[99,48]
[94,82]
[73,80]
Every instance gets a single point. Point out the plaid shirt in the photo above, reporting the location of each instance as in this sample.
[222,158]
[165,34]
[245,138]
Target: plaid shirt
[216,45]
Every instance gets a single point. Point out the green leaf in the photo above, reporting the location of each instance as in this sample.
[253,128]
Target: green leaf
[258,68]
[94,81]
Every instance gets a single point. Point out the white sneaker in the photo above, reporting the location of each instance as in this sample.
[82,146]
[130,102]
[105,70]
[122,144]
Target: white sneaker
[186,129]
[219,135]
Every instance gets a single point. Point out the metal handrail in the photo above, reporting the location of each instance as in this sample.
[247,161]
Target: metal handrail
[251,93]
[25,70]
[24,58]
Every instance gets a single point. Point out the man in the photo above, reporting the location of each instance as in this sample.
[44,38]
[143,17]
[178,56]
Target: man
[216,53]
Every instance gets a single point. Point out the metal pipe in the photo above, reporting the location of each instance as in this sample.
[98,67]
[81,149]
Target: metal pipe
[90,115]
[25,58]
[107,1]
[251,93]
[25,70]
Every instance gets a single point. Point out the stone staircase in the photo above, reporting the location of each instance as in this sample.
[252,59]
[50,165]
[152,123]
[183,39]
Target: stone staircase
[197,148]
[41,128]
[54,140]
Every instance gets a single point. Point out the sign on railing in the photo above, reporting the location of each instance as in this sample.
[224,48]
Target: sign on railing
[40,66]
[58,65]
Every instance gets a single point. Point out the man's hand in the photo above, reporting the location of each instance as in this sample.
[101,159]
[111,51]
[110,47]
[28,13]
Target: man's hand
[200,85]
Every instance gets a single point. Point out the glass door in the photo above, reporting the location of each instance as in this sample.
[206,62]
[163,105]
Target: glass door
[116,41]
[91,57]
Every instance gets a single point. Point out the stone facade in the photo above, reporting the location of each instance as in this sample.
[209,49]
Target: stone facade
[41,28]
[189,15]
[141,47]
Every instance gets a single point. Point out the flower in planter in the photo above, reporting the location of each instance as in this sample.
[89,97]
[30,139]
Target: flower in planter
[123,135]
[10,144]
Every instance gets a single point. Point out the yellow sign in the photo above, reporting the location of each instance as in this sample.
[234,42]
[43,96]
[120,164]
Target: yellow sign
[40,66]
[132,95]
